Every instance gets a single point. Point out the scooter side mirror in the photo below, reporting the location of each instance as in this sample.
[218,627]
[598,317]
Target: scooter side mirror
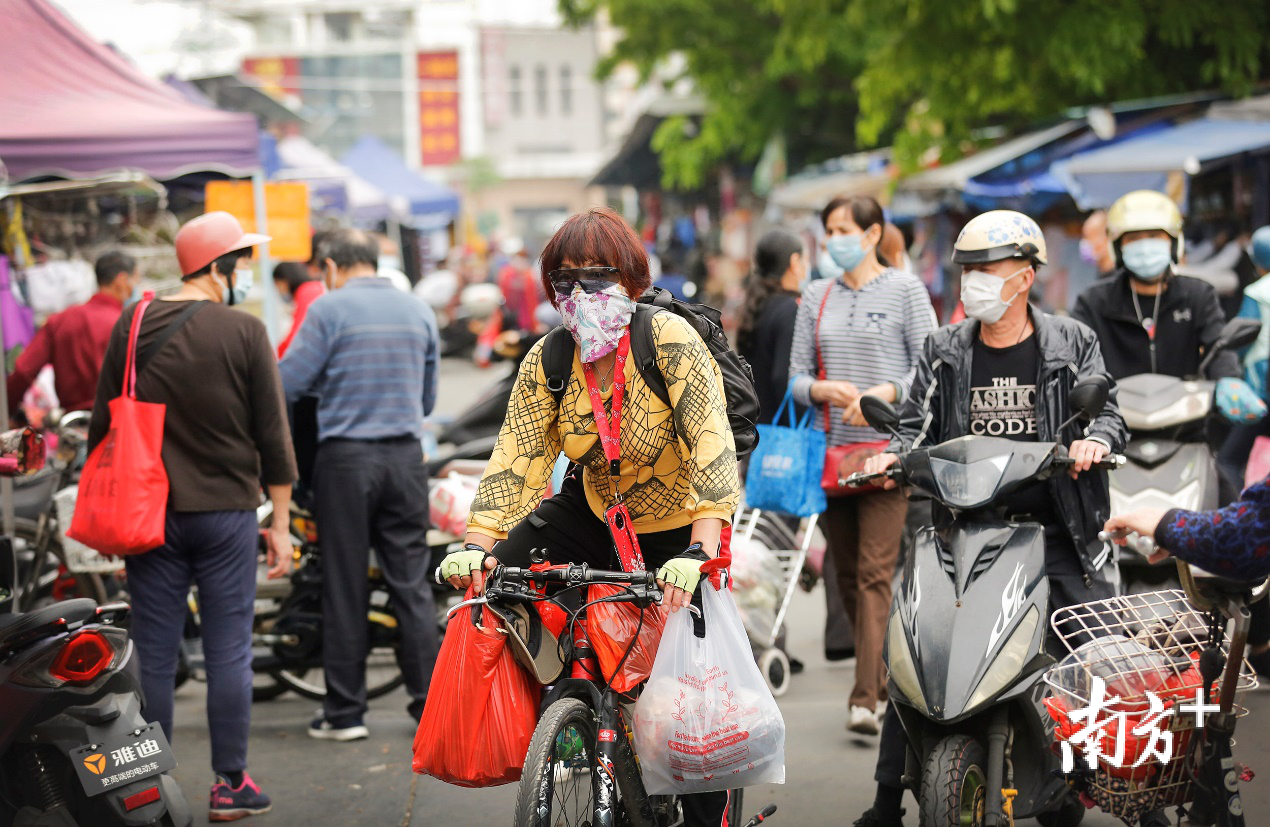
[8,574]
[1088,397]
[1238,333]
[880,414]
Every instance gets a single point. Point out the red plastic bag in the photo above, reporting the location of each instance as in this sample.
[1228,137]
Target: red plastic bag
[123,492]
[612,627]
[481,711]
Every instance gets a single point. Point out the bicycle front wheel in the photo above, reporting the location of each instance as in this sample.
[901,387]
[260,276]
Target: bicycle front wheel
[555,789]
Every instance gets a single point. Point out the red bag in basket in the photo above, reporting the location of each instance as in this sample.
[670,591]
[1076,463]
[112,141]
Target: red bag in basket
[123,493]
[482,707]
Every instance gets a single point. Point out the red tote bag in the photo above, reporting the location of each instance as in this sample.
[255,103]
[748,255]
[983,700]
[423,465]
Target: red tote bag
[481,710]
[123,492]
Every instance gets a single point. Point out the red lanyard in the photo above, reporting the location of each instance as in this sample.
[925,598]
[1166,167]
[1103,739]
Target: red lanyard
[609,426]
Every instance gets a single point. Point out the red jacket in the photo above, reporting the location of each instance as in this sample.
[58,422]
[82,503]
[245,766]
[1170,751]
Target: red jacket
[74,343]
[305,295]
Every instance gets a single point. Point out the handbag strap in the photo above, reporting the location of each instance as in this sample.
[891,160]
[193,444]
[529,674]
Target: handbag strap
[786,405]
[144,356]
[820,357]
[130,364]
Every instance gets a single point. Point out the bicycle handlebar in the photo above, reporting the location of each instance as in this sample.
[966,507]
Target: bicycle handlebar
[574,574]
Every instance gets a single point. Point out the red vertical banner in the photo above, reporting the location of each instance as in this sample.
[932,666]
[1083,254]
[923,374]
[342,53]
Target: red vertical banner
[439,108]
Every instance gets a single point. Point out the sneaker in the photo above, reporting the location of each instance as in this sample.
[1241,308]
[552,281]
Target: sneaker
[324,730]
[863,720]
[232,803]
[871,819]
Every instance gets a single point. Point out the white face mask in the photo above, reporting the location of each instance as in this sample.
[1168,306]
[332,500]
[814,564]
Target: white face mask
[981,295]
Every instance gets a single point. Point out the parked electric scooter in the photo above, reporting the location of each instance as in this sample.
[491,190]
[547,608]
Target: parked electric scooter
[965,642]
[74,748]
[1170,460]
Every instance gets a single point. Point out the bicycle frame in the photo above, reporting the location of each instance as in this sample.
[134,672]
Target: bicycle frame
[615,766]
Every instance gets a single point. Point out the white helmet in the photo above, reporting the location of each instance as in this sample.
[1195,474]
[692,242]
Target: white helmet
[480,301]
[997,235]
[1145,210]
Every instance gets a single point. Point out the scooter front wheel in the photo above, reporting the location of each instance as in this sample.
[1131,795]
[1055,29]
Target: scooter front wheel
[954,789]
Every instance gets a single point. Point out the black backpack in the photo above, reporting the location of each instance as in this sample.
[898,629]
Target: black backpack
[738,377]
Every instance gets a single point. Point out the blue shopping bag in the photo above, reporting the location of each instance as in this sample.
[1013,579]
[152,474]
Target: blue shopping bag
[785,468]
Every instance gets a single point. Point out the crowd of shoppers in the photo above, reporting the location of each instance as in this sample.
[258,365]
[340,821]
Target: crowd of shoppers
[363,356]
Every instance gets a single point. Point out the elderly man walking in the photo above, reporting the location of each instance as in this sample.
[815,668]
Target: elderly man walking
[370,354]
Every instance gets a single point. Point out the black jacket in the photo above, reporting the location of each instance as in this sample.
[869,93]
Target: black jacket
[938,409]
[1189,322]
[768,351]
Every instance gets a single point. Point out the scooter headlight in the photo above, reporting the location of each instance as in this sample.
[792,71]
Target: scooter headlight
[900,663]
[1008,663]
[970,484]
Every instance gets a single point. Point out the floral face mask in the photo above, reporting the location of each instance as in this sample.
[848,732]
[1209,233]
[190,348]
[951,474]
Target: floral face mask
[596,320]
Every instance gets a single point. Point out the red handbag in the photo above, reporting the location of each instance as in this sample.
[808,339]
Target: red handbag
[842,460]
[123,492]
[481,710]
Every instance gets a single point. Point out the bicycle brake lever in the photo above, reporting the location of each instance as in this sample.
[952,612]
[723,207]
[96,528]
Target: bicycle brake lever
[465,603]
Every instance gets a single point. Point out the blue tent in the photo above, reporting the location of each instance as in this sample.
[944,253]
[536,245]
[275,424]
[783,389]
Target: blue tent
[1099,177]
[432,205]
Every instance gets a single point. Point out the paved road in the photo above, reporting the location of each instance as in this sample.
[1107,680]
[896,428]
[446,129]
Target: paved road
[829,773]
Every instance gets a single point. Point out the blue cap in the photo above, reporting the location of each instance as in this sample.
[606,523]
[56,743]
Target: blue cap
[1259,249]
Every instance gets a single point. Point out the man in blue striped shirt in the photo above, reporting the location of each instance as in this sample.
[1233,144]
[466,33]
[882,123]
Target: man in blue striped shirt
[370,355]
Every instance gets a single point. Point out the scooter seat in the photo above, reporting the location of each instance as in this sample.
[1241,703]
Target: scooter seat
[14,626]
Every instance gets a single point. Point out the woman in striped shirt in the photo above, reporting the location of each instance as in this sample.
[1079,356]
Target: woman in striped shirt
[860,334]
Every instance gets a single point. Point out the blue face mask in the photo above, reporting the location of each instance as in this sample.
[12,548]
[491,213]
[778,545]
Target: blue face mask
[847,251]
[1148,258]
[826,266]
[138,293]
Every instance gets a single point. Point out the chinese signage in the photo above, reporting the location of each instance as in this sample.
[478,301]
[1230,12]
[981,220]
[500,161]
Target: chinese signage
[276,75]
[439,108]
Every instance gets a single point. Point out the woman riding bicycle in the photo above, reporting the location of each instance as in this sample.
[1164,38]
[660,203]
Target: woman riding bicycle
[677,472]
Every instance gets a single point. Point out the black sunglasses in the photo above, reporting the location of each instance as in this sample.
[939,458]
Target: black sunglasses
[590,279]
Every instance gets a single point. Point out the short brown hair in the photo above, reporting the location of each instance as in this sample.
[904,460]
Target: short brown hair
[598,237]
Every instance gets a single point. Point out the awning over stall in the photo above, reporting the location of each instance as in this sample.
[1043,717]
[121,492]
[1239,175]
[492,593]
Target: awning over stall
[73,108]
[1098,178]
[432,205]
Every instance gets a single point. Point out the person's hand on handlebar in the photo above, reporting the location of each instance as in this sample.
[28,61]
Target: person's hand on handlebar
[678,577]
[1142,522]
[1084,453]
[467,567]
[878,464]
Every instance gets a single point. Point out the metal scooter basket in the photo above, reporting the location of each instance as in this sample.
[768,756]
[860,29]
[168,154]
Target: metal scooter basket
[1137,643]
[80,559]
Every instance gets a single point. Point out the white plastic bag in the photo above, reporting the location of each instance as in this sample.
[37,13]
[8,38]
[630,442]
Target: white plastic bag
[706,720]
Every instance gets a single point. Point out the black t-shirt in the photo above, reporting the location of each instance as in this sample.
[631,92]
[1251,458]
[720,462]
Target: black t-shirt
[1003,404]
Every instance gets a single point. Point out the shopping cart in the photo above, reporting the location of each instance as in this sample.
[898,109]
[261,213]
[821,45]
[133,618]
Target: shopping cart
[1139,645]
[768,551]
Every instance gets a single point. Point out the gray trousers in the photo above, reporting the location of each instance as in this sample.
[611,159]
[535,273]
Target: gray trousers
[373,495]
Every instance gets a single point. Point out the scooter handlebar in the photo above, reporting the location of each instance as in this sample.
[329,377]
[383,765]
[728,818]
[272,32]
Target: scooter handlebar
[1137,542]
[1108,463]
[858,479]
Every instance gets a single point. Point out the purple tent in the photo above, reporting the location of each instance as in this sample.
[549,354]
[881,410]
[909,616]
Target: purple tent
[73,108]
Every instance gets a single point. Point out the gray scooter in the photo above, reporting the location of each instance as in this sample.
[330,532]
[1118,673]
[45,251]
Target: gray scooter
[965,641]
[1170,462]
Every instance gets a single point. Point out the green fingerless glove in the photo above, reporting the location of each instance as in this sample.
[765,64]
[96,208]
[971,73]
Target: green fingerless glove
[462,563]
[684,569]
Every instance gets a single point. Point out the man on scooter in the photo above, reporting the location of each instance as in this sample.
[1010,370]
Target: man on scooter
[1147,318]
[1006,371]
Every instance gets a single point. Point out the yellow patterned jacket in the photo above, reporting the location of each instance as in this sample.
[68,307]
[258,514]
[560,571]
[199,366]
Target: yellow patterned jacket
[678,462]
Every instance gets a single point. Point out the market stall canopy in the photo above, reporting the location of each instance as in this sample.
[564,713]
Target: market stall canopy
[862,173]
[1098,178]
[432,205]
[334,185]
[74,108]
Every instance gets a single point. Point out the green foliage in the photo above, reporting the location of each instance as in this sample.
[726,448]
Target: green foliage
[837,75]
